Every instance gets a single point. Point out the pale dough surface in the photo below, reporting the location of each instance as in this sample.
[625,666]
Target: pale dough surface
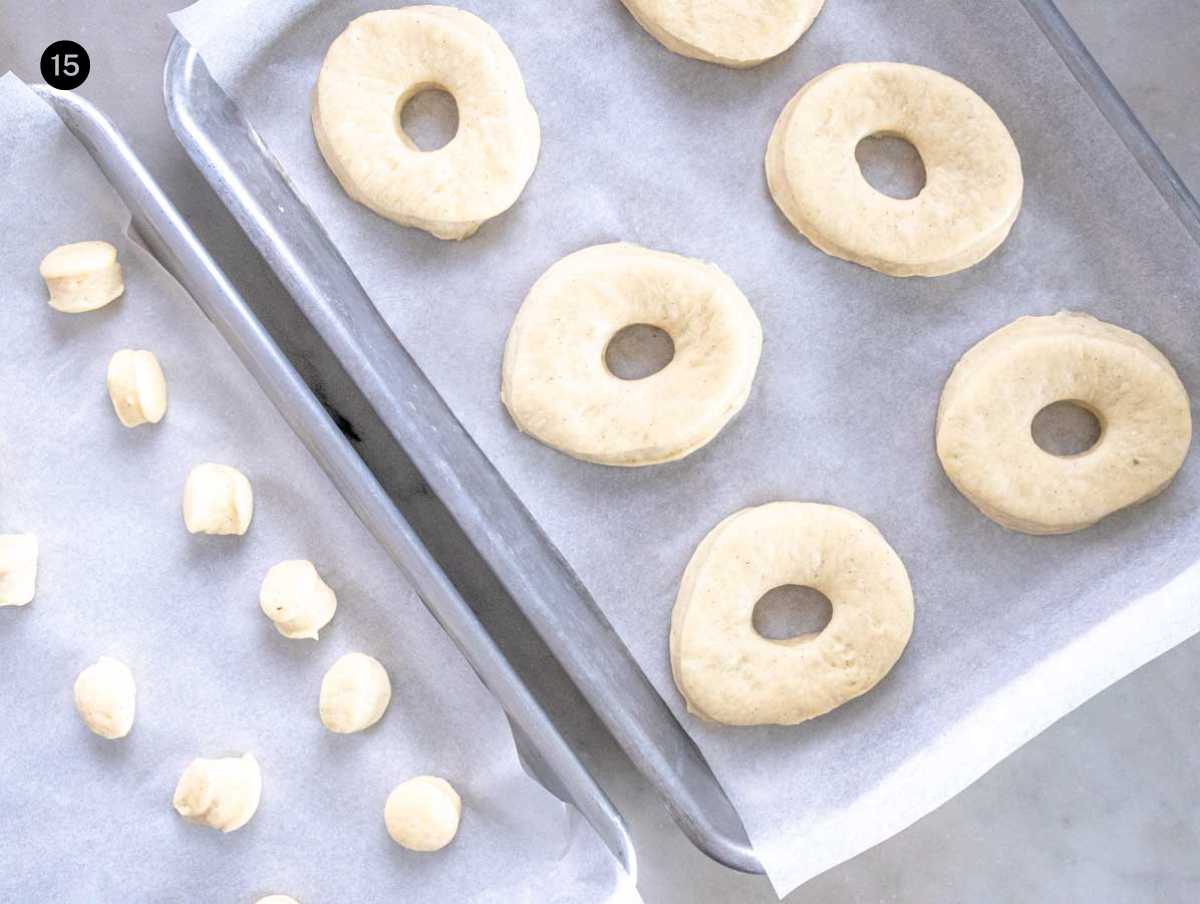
[136,387]
[222,794]
[973,178]
[295,598]
[984,437]
[371,70]
[106,698]
[727,672]
[18,569]
[217,499]
[558,388]
[736,33]
[354,693]
[82,276]
[422,814]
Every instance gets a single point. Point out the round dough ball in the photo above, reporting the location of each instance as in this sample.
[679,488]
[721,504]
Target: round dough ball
[295,598]
[354,693]
[18,569]
[735,33]
[222,794]
[728,672]
[106,698]
[82,276]
[370,72]
[984,437]
[422,814]
[973,186]
[137,387]
[558,388]
[217,499]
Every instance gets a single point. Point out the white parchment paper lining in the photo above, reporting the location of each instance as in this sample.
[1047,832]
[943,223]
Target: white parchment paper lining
[642,145]
[88,820]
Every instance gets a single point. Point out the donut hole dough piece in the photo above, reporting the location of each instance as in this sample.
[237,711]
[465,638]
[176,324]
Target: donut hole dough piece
[985,439]
[137,387]
[791,611]
[295,598]
[222,794]
[727,672]
[891,166]
[556,384]
[429,118]
[106,698]
[423,813]
[18,569]
[1066,428]
[354,693]
[735,33]
[217,499]
[82,276]
[371,71]
[973,180]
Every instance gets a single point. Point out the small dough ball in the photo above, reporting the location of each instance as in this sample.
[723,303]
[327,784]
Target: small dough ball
[422,814]
[137,387]
[217,499]
[106,698]
[82,277]
[354,693]
[296,599]
[277,899]
[18,568]
[221,793]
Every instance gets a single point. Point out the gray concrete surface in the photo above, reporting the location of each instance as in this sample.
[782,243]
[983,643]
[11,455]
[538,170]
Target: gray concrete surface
[1100,808]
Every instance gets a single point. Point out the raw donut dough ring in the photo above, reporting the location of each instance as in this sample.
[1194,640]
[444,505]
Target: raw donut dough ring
[973,179]
[988,405]
[727,672]
[735,33]
[558,388]
[370,72]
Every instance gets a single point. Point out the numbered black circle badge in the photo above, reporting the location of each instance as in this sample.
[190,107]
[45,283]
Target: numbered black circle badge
[65,65]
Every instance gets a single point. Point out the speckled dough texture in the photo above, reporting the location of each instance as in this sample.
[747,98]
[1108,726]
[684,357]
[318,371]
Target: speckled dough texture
[374,67]
[735,33]
[557,387]
[973,179]
[986,445]
[730,673]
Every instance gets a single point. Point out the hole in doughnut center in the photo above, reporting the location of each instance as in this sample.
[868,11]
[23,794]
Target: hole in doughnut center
[429,118]
[891,166]
[791,612]
[638,351]
[1066,428]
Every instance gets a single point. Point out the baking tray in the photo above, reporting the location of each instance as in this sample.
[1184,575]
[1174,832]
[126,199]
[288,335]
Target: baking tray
[162,229]
[251,184]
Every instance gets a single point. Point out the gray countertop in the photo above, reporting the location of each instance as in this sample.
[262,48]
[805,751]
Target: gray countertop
[1099,808]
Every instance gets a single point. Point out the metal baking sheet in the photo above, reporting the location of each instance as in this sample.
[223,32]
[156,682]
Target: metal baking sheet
[641,145]
[576,860]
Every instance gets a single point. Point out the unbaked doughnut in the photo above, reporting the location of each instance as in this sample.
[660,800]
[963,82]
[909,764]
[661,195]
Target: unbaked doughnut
[973,179]
[422,814]
[984,437]
[558,388]
[728,672]
[82,276]
[370,72]
[106,698]
[222,794]
[737,33]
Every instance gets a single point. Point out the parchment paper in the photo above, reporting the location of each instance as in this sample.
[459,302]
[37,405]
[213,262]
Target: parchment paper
[644,146]
[89,820]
